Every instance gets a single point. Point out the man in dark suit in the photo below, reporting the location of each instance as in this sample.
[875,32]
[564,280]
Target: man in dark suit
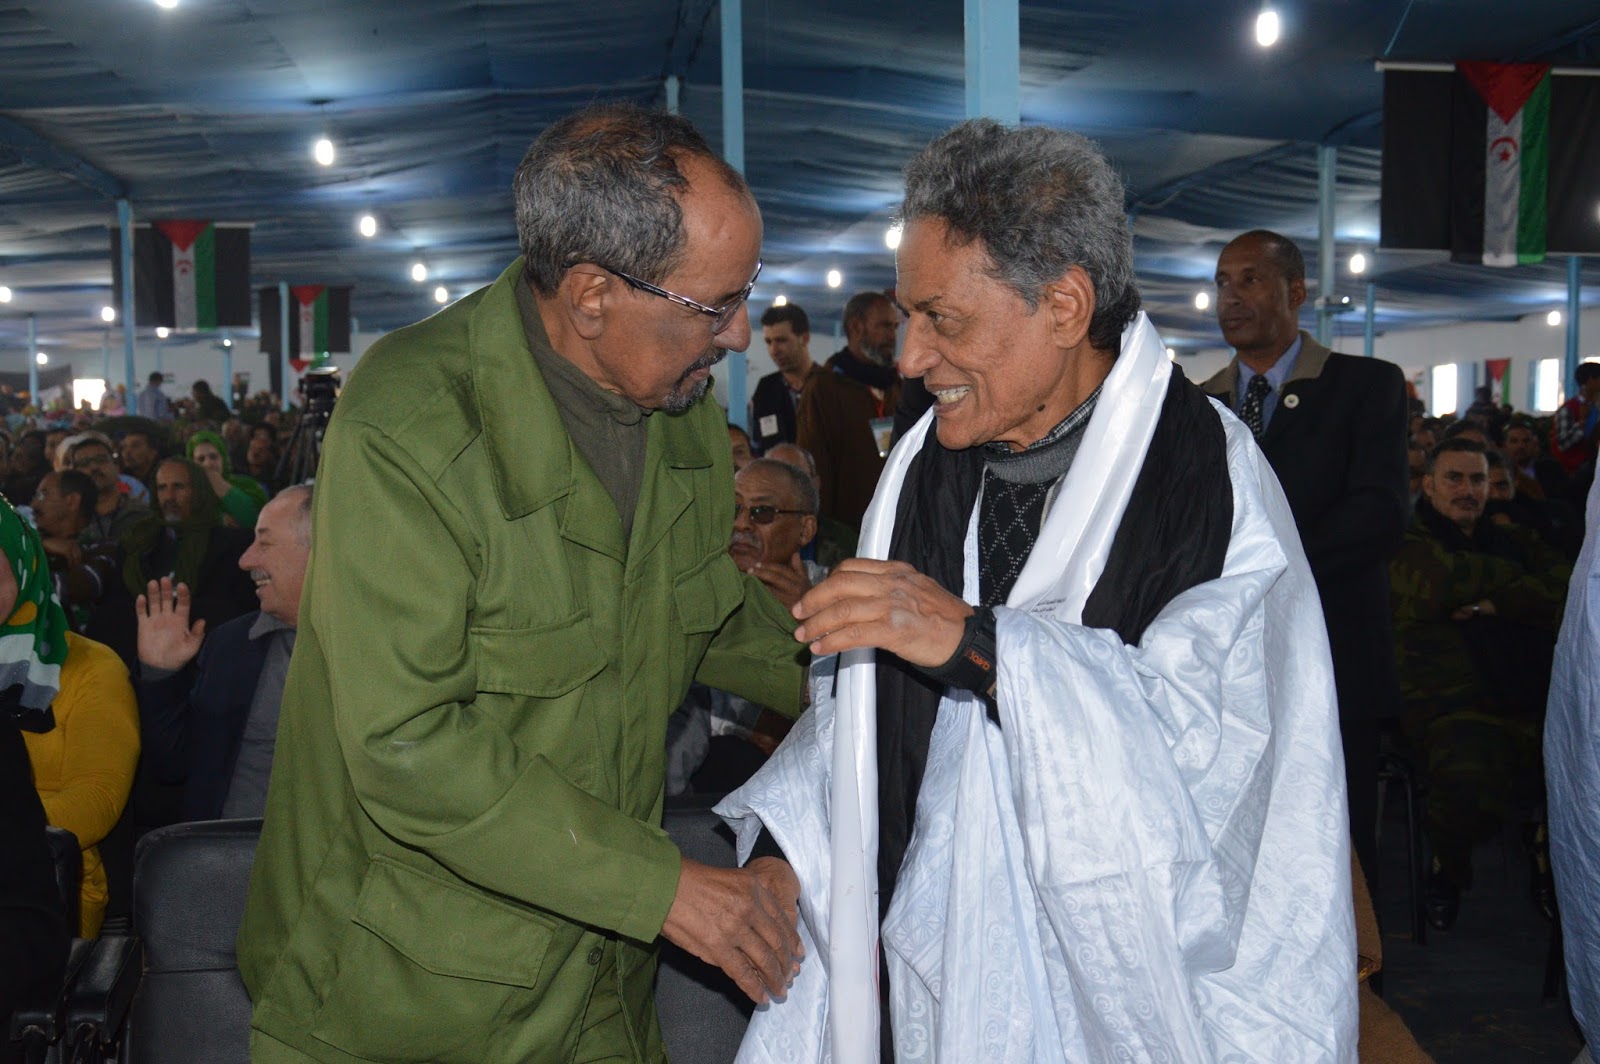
[786,330]
[210,712]
[1334,429]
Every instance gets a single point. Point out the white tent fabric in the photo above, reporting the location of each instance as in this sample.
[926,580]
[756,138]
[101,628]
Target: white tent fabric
[1146,861]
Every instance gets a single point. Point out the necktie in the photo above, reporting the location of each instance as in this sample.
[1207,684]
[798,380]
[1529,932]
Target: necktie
[1255,393]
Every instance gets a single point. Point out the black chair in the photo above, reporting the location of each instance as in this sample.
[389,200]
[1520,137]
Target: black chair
[1395,770]
[39,1026]
[67,856]
[189,886]
[703,1014]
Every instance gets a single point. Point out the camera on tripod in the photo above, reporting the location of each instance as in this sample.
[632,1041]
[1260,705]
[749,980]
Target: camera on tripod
[320,388]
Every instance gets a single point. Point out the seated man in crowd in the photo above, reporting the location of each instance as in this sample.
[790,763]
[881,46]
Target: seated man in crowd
[716,739]
[1538,476]
[210,705]
[63,508]
[1104,780]
[835,540]
[117,510]
[1476,607]
[1507,505]
[261,456]
[140,454]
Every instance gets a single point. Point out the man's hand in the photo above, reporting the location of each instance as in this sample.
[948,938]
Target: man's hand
[742,920]
[888,605]
[65,548]
[166,641]
[786,582]
[1481,608]
[219,483]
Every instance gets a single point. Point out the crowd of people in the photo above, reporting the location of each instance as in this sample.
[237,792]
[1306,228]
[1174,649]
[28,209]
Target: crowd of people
[1130,660]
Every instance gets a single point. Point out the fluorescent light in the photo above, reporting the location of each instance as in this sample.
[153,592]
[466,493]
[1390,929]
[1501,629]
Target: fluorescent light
[322,151]
[5,294]
[1268,27]
[162,332]
[419,272]
[1202,300]
[441,295]
[781,301]
[1358,263]
[368,225]
[107,314]
[891,237]
[1553,318]
[835,278]
[1442,396]
[42,358]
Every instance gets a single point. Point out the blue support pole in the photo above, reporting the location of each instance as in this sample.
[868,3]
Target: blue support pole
[1327,180]
[159,350]
[1370,340]
[105,357]
[674,88]
[283,341]
[1574,309]
[994,60]
[733,152]
[125,225]
[227,368]
[33,364]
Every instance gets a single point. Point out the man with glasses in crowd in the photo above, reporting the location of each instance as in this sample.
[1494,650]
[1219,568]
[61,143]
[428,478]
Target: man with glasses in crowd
[522,529]
[116,509]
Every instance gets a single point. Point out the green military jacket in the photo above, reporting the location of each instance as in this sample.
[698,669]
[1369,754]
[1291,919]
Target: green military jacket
[466,798]
[1429,581]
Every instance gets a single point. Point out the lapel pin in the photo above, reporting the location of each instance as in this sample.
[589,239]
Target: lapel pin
[1291,401]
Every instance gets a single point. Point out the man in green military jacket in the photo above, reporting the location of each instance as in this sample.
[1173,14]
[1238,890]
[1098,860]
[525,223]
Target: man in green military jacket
[1476,608]
[521,563]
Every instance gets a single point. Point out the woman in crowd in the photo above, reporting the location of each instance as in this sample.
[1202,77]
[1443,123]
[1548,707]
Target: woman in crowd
[241,497]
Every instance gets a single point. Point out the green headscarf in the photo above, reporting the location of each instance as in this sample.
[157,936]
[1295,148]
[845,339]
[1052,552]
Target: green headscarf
[194,535]
[249,486]
[33,639]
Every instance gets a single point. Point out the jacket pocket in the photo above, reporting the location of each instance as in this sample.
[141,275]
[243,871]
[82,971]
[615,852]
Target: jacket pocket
[425,966]
[544,662]
[707,594]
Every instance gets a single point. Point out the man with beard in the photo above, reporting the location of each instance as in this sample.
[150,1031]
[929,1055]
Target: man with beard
[1476,607]
[139,457]
[787,333]
[1080,751]
[847,412]
[522,523]
[116,510]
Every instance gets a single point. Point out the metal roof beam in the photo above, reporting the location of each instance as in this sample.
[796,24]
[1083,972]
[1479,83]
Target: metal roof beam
[31,148]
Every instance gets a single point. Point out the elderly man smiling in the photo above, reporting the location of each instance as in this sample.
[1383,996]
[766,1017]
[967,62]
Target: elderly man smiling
[1109,806]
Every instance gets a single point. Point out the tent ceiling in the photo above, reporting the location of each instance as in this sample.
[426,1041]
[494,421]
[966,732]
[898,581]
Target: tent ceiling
[208,110]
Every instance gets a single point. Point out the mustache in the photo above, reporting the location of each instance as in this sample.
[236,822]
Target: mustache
[705,361]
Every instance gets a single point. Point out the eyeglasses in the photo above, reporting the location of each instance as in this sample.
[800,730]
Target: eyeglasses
[81,464]
[764,514]
[723,315]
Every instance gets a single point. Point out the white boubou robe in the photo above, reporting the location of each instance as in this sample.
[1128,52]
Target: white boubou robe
[1146,861]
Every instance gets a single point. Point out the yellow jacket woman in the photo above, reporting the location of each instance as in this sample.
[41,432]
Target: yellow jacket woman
[83,767]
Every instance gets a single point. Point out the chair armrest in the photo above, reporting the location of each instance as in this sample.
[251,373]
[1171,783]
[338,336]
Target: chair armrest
[39,1024]
[97,1003]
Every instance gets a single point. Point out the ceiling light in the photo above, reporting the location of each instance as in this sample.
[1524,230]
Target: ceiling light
[5,294]
[1172,353]
[322,151]
[1267,27]
[227,341]
[107,314]
[781,301]
[1202,300]
[368,225]
[440,295]
[41,358]
[168,4]
[835,278]
[891,236]
[1553,318]
[419,272]
[1358,263]
[162,332]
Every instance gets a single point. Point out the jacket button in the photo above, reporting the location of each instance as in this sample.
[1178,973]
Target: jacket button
[594,955]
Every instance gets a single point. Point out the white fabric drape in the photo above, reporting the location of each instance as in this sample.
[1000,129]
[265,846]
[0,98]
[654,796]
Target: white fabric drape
[1147,860]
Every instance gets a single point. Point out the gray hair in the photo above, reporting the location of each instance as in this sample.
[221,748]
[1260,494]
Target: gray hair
[805,492]
[1040,201]
[602,186]
[303,514]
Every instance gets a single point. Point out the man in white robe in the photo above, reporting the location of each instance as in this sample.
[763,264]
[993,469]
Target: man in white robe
[1081,730]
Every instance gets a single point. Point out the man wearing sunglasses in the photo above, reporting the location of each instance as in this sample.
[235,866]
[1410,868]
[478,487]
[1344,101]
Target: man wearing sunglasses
[522,564]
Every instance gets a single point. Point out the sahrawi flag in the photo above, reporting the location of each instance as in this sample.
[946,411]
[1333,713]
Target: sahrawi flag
[319,322]
[1498,163]
[188,275]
